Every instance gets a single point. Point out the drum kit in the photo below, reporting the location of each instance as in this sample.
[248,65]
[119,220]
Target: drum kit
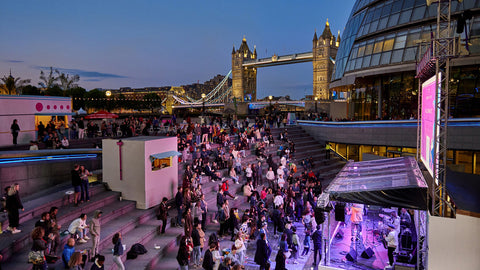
[381,227]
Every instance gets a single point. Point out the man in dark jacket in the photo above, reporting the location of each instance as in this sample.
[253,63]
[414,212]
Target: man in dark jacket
[263,252]
[208,258]
[179,205]
[317,245]
[163,213]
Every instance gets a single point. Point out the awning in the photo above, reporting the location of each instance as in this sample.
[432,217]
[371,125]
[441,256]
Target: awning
[392,182]
[101,115]
[164,155]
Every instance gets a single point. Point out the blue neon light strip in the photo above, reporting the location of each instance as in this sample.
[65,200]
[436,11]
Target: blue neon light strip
[45,158]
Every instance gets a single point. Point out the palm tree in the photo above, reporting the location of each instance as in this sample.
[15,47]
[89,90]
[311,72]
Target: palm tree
[67,82]
[11,85]
[50,80]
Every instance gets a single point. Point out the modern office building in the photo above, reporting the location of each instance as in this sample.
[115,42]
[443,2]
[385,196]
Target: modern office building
[375,63]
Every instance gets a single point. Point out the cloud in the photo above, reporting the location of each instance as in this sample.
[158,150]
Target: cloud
[84,73]
[93,80]
[13,61]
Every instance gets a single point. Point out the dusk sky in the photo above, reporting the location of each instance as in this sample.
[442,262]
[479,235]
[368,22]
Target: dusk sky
[113,44]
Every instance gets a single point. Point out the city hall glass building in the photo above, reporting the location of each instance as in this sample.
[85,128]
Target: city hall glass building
[375,63]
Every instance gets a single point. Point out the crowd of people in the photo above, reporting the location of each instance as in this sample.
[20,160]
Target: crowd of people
[274,191]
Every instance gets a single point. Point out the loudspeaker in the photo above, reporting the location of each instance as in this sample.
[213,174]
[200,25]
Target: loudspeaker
[340,212]
[339,234]
[319,215]
[367,253]
[351,256]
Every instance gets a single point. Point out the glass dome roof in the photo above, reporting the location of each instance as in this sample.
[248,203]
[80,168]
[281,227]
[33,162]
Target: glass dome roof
[385,32]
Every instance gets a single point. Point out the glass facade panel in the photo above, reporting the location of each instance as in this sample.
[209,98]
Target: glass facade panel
[410,54]
[373,27]
[400,42]
[388,45]
[397,6]
[405,16]
[418,13]
[378,46]
[375,60]
[385,60]
[378,12]
[383,23]
[386,9]
[408,4]
[397,56]
[366,61]
[361,51]
[393,20]
[412,38]
[369,49]
[358,64]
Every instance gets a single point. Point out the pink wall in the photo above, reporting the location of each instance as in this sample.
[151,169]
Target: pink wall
[24,108]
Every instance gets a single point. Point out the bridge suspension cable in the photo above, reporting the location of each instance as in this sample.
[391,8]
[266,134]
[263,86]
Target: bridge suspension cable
[214,96]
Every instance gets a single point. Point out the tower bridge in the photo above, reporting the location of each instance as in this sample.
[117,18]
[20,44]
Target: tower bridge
[244,74]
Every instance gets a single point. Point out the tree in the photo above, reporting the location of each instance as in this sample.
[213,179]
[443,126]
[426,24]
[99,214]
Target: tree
[77,94]
[50,80]
[67,82]
[54,91]
[95,99]
[31,90]
[11,85]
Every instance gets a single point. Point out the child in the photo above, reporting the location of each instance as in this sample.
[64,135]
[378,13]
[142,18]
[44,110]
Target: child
[306,243]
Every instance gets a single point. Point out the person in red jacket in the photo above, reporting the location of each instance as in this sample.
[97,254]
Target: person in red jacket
[225,188]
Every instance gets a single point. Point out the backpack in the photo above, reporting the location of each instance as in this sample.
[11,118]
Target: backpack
[135,250]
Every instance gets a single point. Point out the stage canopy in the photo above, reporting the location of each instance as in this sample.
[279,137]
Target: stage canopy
[392,182]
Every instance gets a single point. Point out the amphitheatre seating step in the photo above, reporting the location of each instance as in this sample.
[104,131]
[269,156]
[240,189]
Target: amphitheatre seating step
[16,243]
[41,202]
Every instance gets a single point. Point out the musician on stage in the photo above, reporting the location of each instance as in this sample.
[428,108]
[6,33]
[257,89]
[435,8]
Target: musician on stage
[356,218]
[392,242]
[405,219]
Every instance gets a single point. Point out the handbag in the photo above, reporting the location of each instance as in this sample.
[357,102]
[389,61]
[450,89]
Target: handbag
[36,257]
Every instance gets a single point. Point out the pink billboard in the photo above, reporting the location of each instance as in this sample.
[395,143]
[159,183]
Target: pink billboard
[429,149]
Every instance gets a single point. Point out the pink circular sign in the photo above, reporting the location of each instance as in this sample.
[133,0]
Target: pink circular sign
[39,107]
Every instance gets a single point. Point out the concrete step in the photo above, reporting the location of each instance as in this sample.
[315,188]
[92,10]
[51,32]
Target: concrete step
[10,244]
[42,202]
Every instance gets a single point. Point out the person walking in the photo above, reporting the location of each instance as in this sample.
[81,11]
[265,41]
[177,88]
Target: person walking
[12,205]
[95,231]
[15,130]
[317,245]
[118,251]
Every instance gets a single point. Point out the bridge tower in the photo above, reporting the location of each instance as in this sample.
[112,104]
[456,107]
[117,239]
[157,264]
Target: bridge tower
[324,51]
[244,80]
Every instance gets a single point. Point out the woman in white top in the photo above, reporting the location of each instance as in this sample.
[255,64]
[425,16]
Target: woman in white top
[270,177]
[280,181]
[241,249]
[249,172]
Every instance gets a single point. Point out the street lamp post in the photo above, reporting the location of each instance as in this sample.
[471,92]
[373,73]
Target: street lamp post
[203,104]
[270,99]
[316,99]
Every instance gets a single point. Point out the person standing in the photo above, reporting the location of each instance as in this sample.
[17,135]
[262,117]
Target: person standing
[15,130]
[76,183]
[262,254]
[317,245]
[12,204]
[81,129]
[163,213]
[179,205]
[196,254]
[118,251]
[208,260]
[392,242]
[183,253]
[95,231]
[84,174]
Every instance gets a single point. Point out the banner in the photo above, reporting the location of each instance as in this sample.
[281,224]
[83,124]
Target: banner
[429,149]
